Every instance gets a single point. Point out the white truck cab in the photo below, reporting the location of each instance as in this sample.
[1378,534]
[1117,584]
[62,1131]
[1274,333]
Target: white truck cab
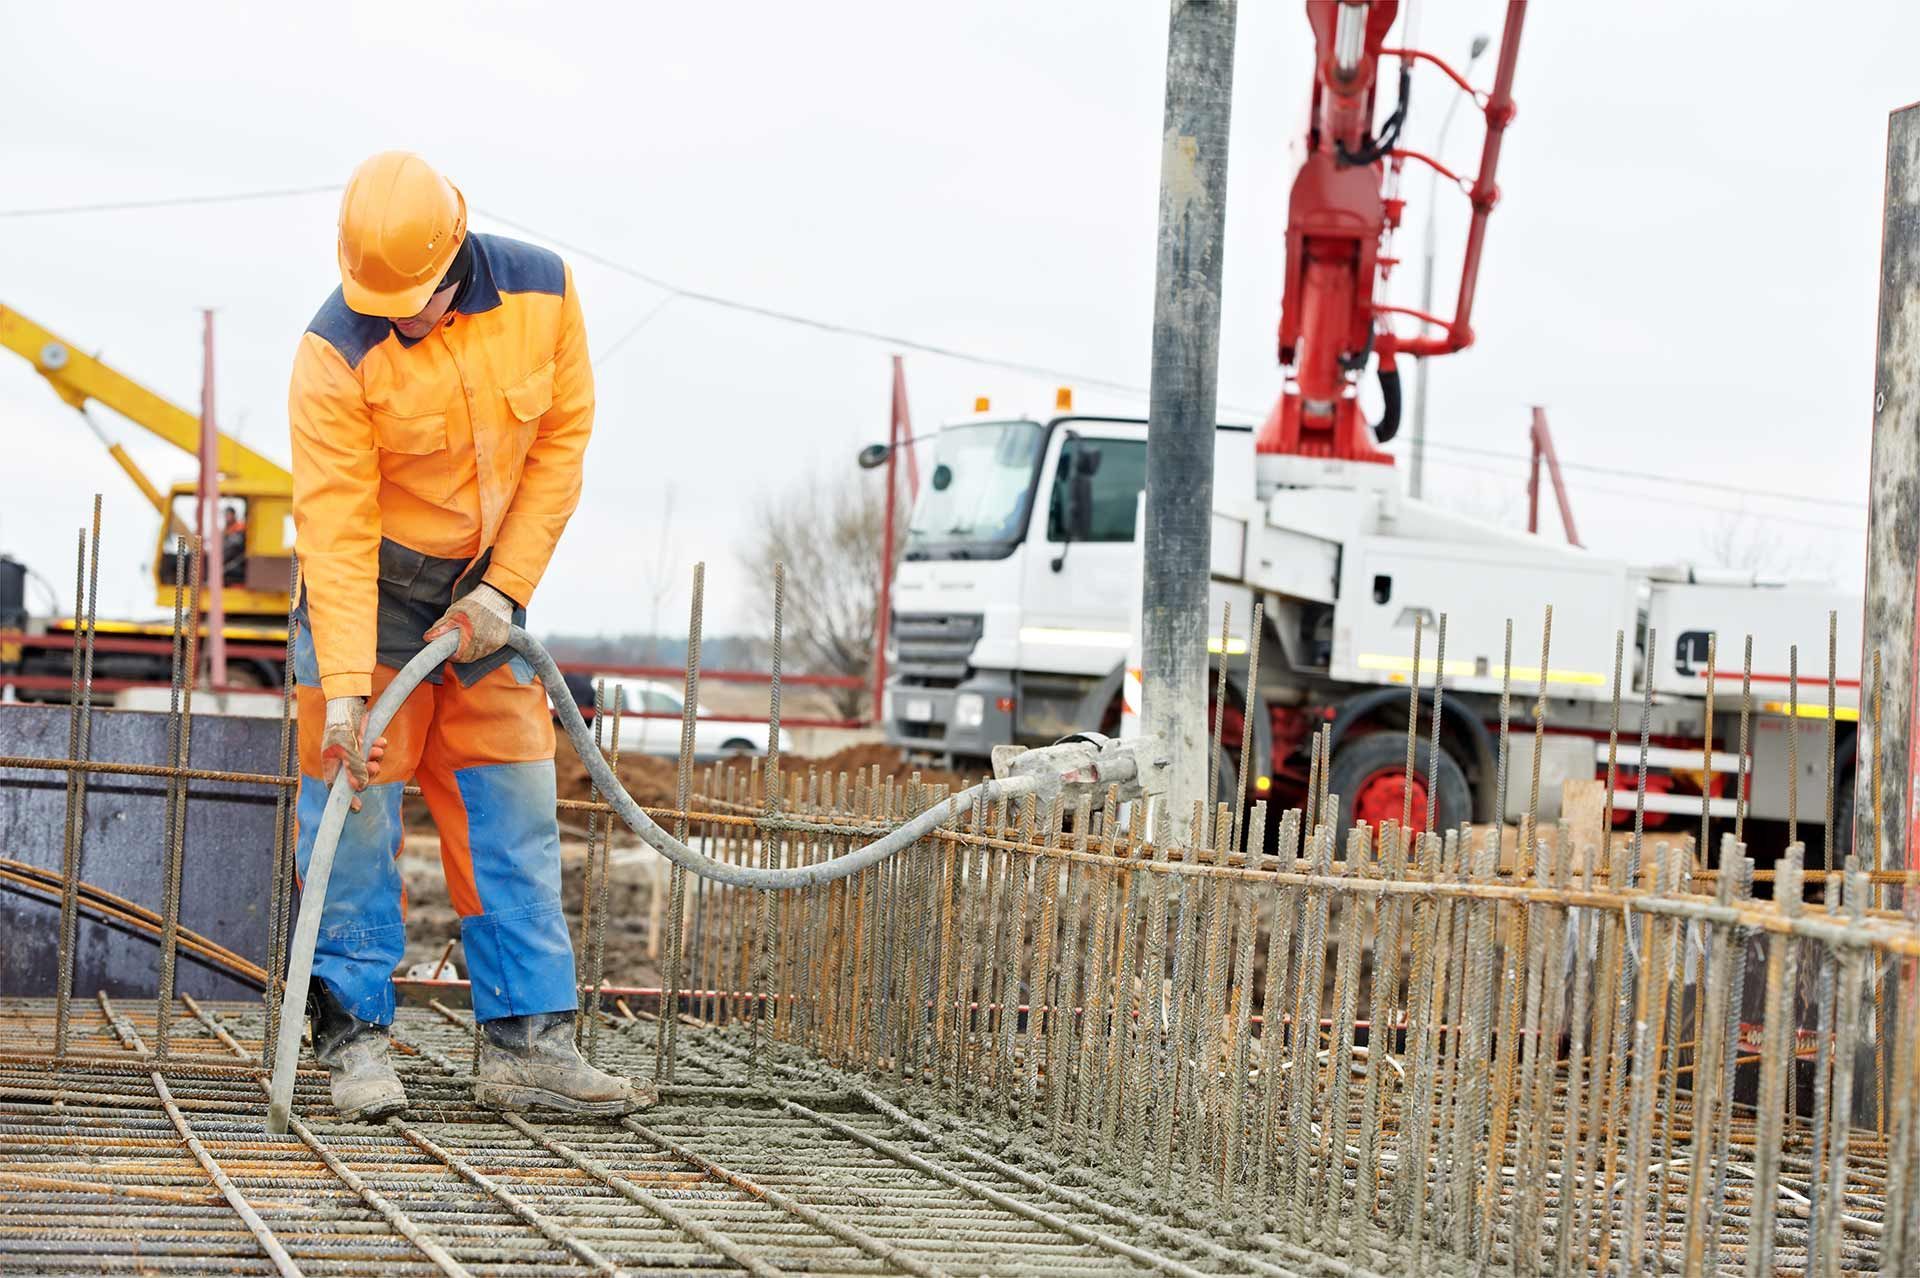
[1012,604]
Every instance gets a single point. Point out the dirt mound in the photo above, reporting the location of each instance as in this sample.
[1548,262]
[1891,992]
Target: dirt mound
[649,778]
[890,761]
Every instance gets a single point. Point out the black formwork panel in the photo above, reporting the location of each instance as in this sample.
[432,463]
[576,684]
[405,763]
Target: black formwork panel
[227,877]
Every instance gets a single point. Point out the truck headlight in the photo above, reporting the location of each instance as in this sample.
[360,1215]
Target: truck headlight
[969,710]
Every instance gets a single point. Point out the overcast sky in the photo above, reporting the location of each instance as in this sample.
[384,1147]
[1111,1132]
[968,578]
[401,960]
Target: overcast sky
[1683,267]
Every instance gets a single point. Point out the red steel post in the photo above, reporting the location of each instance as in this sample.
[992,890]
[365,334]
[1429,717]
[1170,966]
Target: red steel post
[882,619]
[1533,483]
[1542,444]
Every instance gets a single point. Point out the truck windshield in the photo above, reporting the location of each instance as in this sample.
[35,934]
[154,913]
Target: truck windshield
[975,505]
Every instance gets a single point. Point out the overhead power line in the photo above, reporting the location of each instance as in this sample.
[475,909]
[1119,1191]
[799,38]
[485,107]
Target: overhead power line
[679,291]
[1584,488]
[1648,476]
[172,201]
[813,322]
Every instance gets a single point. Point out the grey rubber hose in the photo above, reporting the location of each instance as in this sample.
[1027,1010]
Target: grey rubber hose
[326,840]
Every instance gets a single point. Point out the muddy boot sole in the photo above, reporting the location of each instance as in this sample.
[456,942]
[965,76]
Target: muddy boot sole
[518,1098]
[384,1107]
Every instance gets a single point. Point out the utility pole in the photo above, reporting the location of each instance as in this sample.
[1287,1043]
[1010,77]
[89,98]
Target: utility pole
[213,534]
[1893,518]
[1180,420]
[1891,626]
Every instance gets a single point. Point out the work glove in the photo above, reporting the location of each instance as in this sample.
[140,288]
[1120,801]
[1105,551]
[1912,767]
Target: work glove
[341,744]
[483,617]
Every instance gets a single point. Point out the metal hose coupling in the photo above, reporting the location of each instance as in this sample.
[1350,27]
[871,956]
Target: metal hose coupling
[1086,765]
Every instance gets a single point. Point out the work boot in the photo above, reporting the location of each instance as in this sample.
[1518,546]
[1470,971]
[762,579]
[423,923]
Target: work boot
[355,1054]
[529,1062]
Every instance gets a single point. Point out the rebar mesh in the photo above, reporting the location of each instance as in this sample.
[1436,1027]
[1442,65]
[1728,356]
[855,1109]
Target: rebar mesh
[1039,1041]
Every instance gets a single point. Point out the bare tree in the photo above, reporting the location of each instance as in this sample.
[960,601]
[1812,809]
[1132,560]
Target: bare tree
[1748,543]
[829,531]
[660,577]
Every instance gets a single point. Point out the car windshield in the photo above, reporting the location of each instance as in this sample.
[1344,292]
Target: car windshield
[975,502]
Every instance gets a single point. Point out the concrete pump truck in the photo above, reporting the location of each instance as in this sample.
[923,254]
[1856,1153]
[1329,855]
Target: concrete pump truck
[1016,604]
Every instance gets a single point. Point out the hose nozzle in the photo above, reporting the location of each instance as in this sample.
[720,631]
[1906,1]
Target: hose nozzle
[1086,764]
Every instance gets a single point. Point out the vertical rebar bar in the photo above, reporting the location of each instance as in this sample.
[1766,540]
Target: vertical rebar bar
[1413,727]
[1703,851]
[285,813]
[79,748]
[1777,1065]
[1439,699]
[1530,853]
[1833,682]
[176,845]
[668,1034]
[1219,711]
[598,885]
[1252,704]
[1740,760]
[1793,744]
[763,935]
[1503,763]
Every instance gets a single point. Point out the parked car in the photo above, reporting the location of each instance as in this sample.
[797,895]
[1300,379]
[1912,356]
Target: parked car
[646,697]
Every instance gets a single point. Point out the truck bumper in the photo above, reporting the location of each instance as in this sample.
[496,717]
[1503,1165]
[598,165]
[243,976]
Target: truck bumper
[929,719]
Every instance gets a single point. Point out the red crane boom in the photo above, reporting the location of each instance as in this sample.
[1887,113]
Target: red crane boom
[1340,222]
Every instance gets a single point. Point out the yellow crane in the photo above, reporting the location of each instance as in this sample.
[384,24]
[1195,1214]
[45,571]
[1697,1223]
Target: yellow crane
[262,487]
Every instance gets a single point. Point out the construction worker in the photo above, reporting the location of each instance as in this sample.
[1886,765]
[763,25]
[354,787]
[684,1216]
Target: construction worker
[440,406]
[233,545]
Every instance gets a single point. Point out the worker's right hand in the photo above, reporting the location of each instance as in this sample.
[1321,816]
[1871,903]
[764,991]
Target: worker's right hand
[341,743]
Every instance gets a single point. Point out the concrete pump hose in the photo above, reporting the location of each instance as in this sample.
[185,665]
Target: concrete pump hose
[313,888]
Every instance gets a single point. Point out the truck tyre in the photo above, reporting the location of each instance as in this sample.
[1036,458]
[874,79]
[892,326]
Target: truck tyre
[1369,776]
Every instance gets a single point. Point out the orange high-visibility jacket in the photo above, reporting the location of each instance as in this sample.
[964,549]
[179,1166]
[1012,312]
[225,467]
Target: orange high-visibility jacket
[470,438]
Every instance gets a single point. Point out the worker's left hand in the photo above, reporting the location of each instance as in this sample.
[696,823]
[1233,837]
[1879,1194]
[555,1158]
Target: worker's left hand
[482,617]
[343,744]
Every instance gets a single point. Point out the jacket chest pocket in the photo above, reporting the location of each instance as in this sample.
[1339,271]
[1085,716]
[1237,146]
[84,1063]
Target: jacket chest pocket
[529,399]
[413,453]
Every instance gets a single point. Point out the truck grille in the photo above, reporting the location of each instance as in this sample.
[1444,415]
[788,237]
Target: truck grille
[933,647]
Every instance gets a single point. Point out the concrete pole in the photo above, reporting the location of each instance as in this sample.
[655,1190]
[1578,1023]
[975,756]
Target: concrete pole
[1891,626]
[1893,517]
[1417,439]
[1176,540]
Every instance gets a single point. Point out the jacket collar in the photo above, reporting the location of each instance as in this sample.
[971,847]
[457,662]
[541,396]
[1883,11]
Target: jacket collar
[479,296]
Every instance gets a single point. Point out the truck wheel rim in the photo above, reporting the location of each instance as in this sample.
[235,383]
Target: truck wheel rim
[1381,797]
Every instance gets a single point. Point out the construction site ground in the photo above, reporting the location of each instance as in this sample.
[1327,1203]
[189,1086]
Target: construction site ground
[788,1168]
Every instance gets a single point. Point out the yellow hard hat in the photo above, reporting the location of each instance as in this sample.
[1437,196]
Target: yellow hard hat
[400,225]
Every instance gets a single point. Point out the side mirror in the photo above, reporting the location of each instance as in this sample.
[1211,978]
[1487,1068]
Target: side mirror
[1079,468]
[874,456]
[1080,504]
